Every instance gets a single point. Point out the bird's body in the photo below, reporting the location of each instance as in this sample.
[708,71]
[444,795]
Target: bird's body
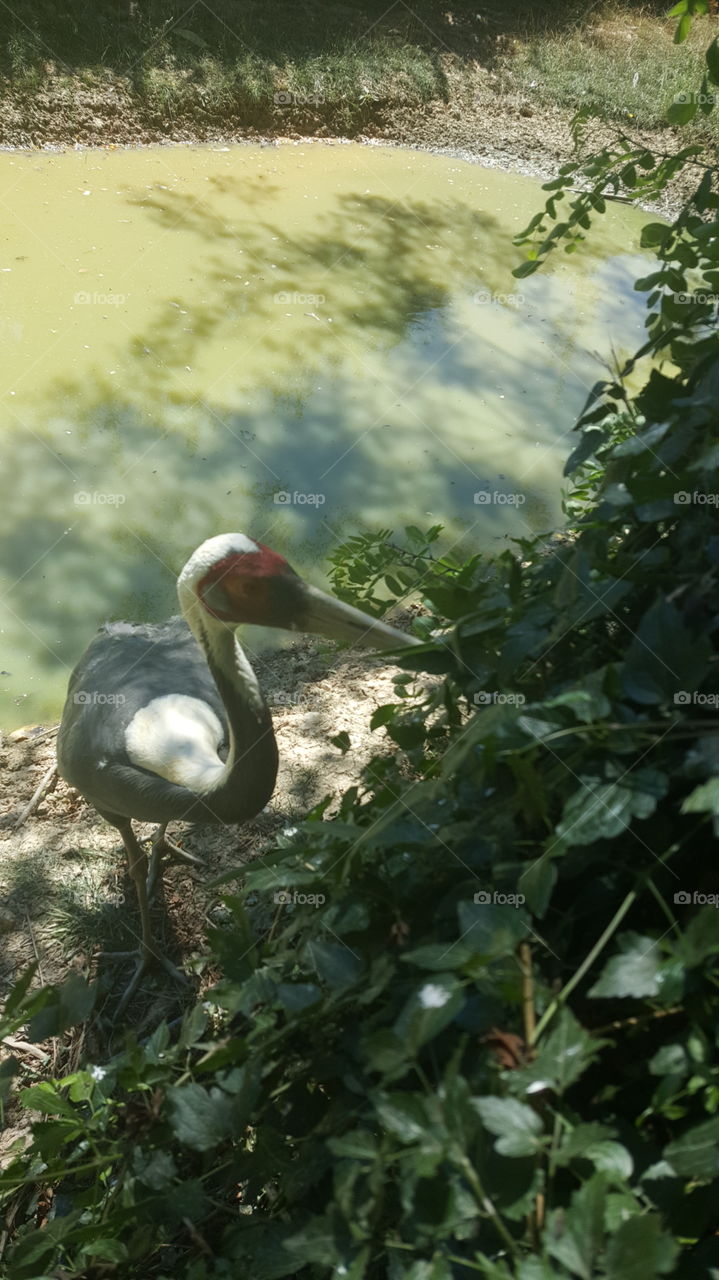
[145,734]
[168,721]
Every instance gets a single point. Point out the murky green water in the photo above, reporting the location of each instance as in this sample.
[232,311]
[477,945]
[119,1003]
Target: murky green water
[295,342]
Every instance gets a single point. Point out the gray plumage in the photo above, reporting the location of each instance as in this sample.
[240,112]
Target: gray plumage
[125,667]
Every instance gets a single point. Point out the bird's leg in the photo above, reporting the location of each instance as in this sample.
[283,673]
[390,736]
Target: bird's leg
[162,846]
[148,952]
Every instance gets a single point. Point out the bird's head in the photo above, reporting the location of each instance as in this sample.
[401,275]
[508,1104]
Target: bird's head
[235,580]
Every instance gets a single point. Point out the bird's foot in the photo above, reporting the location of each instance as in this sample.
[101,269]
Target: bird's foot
[146,958]
[162,847]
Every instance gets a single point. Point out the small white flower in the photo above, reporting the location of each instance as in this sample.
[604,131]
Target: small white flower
[432,996]
[98,1073]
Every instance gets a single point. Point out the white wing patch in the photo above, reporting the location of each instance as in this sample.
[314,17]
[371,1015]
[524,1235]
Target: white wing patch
[177,737]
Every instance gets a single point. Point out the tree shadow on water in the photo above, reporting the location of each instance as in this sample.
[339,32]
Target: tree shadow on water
[153,466]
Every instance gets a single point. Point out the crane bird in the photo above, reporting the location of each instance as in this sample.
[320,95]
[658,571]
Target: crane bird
[167,721]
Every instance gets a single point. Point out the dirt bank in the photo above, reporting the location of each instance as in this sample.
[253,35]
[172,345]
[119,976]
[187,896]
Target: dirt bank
[475,123]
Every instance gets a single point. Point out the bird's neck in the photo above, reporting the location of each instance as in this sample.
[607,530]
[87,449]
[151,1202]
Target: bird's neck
[248,778]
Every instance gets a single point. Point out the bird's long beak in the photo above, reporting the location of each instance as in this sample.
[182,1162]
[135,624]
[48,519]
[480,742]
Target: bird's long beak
[326,616]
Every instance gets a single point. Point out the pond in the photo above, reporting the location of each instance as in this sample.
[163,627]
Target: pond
[297,342]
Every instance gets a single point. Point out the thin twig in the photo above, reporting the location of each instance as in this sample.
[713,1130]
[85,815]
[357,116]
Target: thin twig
[525,964]
[10,1217]
[196,1238]
[41,975]
[46,785]
[23,1047]
[35,737]
[586,964]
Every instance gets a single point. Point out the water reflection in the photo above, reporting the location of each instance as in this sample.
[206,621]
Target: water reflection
[295,344]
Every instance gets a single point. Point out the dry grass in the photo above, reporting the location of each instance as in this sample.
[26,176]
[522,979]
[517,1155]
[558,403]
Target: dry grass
[623,63]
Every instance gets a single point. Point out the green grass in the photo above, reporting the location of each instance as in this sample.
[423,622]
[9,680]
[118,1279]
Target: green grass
[625,64]
[228,56]
[233,57]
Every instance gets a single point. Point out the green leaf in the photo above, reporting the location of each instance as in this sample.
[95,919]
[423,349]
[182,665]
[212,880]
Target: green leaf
[665,659]
[575,1142]
[696,1154]
[200,1118]
[439,1269]
[574,1236]
[383,1051]
[429,1009]
[700,938]
[69,1004]
[610,1158]
[639,1250]
[315,1242]
[296,996]
[106,1249]
[682,112]
[382,715]
[563,1055]
[634,972]
[525,269]
[712,61]
[654,234]
[403,1114]
[357,1144]
[491,929]
[600,811]
[45,1097]
[671,1059]
[684,26]
[335,964]
[703,799]
[537,884]
[156,1170]
[535,1269]
[19,991]
[439,956]
[518,1128]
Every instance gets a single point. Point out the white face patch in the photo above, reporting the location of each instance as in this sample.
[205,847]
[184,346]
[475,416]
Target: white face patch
[199,564]
[209,552]
[177,737]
